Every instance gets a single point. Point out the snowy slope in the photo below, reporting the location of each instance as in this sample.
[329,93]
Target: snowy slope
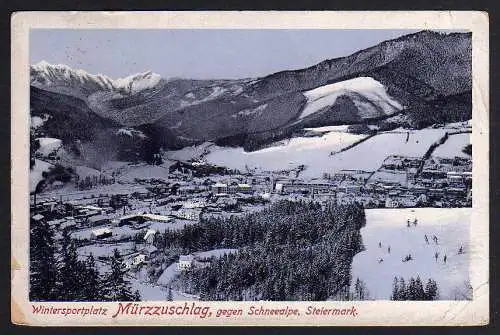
[388,226]
[144,171]
[36,173]
[189,153]
[48,145]
[370,154]
[366,87]
[314,152]
[453,146]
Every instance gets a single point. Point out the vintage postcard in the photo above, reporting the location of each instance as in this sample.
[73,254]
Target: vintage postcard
[250,168]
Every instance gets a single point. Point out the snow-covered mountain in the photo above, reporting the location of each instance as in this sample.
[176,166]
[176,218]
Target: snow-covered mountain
[64,79]
[369,96]
[413,81]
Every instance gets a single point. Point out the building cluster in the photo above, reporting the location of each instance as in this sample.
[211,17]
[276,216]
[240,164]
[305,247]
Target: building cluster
[400,182]
[158,205]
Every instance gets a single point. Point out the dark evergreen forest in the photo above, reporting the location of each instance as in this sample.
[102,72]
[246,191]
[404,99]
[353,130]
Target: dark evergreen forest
[289,251]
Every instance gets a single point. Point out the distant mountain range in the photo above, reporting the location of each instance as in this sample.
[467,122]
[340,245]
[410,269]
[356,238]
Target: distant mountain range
[414,81]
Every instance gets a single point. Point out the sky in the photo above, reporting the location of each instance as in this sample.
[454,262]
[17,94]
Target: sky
[198,53]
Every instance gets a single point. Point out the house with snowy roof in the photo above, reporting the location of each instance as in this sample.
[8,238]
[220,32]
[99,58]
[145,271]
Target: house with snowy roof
[185,262]
[139,259]
[189,214]
[219,188]
[100,233]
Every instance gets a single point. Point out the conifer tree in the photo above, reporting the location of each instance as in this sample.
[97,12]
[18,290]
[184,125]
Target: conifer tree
[69,285]
[395,290]
[419,289]
[402,289]
[410,295]
[117,288]
[431,290]
[91,285]
[43,269]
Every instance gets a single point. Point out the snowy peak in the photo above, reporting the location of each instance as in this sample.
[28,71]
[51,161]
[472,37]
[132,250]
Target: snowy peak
[46,75]
[138,82]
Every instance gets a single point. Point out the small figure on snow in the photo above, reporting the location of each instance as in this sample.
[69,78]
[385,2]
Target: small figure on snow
[444,259]
[380,244]
[408,223]
[434,237]
[415,222]
[389,249]
[407,258]
[436,255]
[426,239]
[380,260]
[461,250]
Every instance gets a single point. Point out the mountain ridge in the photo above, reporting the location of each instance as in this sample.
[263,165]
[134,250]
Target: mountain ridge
[427,73]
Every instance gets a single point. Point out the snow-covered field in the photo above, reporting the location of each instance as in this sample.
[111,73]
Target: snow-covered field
[48,145]
[168,275]
[290,154]
[144,171]
[150,292]
[367,87]
[453,146]
[105,249]
[36,173]
[314,152]
[370,154]
[389,227]
[188,153]
[176,224]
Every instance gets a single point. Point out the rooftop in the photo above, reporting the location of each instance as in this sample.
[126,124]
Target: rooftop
[101,231]
[186,258]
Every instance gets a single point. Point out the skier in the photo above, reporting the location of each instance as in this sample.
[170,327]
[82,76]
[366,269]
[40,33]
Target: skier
[380,244]
[461,250]
[409,257]
[389,249]
[435,239]
[380,260]
[426,239]
[444,259]
[408,223]
[436,255]
[415,222]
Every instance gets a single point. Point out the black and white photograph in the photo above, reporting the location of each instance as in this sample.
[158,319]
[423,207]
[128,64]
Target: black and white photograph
[250,165]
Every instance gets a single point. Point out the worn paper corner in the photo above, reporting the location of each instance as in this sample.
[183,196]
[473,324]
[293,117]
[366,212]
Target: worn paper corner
[17,317]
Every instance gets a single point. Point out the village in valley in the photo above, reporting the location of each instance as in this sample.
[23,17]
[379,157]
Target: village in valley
[124,209]
[347,179]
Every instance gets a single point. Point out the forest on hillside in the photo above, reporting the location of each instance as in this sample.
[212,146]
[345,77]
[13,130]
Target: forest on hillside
[289,251]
